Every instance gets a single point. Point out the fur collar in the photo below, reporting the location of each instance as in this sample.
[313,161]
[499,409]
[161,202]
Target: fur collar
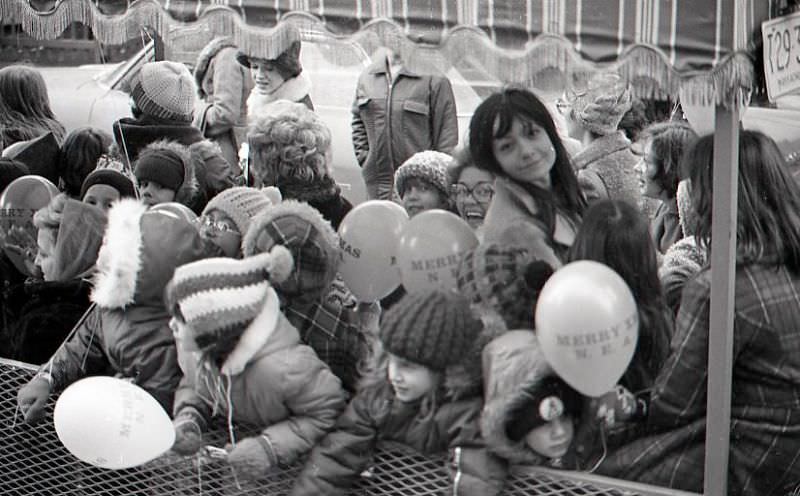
[119,259]
[320,190]
[601,148]
[190,188]
[294,90]
[205,57]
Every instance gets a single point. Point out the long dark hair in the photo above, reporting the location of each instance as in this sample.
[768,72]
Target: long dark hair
[668,143]
[25,106]
[493,119]
[768,219]
[616,234]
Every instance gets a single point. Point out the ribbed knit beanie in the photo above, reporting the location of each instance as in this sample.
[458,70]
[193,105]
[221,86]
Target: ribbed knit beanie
[240,204]
[430,166]
[432,328]
[165,90]
[218,297]
[110,177]
[161,166]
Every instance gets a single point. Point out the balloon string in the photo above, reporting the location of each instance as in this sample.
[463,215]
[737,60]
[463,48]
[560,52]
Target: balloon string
[603,440]
[230,410]
[199,476]
[16,411]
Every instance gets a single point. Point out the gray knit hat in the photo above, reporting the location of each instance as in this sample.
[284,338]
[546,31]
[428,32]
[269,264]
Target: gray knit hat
[430,166]
[165,90]
[432,328]
[240,204]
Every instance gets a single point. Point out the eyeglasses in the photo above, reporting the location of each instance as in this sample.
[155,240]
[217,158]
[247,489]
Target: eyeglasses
[219,226]
[481,192]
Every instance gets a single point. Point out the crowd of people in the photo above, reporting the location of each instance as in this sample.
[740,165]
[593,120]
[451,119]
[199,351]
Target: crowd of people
[195,252]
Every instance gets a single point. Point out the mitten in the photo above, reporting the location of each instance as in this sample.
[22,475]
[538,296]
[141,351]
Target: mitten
[617,406]
[188,433]
[32,398]
[251,458]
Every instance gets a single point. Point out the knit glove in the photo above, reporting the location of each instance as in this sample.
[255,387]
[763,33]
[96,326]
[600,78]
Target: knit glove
[188,433]
[32,399]
[618,406]
[251,458]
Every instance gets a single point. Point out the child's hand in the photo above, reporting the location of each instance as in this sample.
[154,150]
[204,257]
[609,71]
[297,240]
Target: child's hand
[250,458]
[32,399]
[617,405]
[21,248]
[188,435]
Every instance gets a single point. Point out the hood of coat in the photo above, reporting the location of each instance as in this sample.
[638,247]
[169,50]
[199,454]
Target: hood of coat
[80,235]
[205,57]
[190,187]
[513,364]
[132,135]
[139,254]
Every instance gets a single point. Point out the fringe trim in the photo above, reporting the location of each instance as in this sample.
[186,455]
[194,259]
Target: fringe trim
[548,62]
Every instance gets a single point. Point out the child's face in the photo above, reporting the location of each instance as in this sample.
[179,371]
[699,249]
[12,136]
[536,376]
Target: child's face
[182,334]
[553,438]
[410,380]
[526,153]
[101,195]
[153,193]
[46,241]
[221,230]
[420,196]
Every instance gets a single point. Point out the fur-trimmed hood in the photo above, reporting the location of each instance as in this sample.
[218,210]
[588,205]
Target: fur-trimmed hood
[80,235]
[512,365]
[190,188]
[205,57]
[139,254]
[313,243]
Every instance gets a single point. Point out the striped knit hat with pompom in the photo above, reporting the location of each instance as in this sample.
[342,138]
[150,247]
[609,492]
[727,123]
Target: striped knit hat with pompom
[217,298]
[431,328]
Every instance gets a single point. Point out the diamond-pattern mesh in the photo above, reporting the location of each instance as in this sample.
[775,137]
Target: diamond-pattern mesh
[34,462]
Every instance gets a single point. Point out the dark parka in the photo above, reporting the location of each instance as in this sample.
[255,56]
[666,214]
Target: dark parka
[393,121]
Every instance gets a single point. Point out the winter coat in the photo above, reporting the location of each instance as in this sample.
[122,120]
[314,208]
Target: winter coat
[512,219]
[392,121]
[127,331]
[513,365]
[606,170]
[323,194]
[284,389]
[665,228]
[223,85]
[765,409]
[374,415]
[295,89]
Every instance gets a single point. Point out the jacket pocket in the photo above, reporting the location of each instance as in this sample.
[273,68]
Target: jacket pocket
[416,124]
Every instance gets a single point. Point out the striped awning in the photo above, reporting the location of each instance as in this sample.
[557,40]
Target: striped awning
[659,45]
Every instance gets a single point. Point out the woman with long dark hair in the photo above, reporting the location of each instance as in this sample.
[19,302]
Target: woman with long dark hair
[25,106]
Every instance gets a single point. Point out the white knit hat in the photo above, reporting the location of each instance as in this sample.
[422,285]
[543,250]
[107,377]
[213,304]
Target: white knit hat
[428,165]
[242,203]
[165,90]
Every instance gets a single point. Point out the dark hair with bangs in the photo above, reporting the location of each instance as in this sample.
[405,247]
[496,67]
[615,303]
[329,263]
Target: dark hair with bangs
[615,233]
[493,119]
[668,143]
[768,218]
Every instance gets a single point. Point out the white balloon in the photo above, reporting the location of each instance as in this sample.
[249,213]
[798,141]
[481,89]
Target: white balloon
[587,323]
[112,423]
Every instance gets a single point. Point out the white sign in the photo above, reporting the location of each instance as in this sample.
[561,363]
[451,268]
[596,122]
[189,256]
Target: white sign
[782,55]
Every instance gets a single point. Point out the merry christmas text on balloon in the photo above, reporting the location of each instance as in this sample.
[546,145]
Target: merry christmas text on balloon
[603,341]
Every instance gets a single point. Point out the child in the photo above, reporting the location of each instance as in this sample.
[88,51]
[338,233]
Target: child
[227,216]
[422,182]
[165,173]
[79,155]
[127,332]
[403,397]
[250,365]
[103,187]
[529,415]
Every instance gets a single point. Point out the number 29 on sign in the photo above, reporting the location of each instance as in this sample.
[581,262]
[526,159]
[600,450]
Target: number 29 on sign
[780,44]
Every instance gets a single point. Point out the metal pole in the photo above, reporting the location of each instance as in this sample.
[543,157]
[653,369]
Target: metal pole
[723,282]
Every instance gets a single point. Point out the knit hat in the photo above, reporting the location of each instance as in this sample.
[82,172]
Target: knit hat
[432,328]
[287,63]
[165,90]
[11,169]
[550,399]
[506,279]
[110,177]
[430,166]
[218,298]
[600,107]
[161,166]
[240,204]
[309,237]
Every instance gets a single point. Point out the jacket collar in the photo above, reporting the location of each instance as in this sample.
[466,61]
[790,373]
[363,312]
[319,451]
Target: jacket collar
[601,147]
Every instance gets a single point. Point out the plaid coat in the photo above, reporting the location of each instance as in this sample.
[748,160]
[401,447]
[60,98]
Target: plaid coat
[765,410]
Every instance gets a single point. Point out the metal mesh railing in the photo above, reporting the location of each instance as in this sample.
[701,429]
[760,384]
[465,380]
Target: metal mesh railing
[34,462]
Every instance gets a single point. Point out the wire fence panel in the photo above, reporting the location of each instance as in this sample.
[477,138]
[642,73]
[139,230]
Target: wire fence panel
[34,462]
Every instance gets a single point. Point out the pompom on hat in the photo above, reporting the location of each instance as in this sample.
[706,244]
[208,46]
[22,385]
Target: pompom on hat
[431,328]
[241,204]
[165,90]
[600,108]
[430,166]
[218,298]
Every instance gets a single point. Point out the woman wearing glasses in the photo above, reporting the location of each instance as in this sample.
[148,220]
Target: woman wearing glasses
[537,201]
[471,189]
